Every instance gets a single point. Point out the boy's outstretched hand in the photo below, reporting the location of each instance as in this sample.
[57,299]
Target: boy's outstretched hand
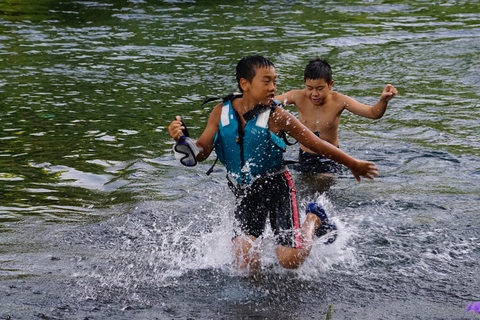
[175,128]
[388,93]
[364,169]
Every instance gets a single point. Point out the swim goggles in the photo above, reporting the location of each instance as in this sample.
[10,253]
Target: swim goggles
[186,150]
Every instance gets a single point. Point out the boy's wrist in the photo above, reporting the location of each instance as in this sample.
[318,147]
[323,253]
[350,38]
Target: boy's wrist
[383,100]
[354,165]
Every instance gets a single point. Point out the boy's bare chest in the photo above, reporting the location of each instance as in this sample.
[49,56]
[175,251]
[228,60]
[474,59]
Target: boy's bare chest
[320,118]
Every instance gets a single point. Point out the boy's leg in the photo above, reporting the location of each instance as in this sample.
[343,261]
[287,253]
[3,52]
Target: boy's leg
[292,258]
[250,220]
[294,242]
[316,224]
[247,253]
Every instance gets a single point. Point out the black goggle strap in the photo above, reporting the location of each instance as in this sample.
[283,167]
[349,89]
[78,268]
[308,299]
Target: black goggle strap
[185,131]
[211,168]
[230,97]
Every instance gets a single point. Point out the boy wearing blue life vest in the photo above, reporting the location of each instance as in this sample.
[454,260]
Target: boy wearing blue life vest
[319,109]
[244,130]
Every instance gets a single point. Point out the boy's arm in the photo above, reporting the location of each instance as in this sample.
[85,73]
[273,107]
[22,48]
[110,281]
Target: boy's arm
[372,112]
[205,142]
[284,120]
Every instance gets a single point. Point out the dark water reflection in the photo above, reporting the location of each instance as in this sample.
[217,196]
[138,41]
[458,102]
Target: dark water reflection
[97,220]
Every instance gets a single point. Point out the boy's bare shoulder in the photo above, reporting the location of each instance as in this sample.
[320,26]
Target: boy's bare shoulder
[278,113]
[335,96]
[218,106]
[338,98]
[215,114]
[279,119]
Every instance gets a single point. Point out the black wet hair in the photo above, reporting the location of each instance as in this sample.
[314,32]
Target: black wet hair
[318,69]
[247,67]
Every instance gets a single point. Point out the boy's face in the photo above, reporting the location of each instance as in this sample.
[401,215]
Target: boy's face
[263,85]
[317,90]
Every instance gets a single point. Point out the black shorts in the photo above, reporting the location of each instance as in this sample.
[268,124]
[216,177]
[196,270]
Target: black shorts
[273,198]
[316,163]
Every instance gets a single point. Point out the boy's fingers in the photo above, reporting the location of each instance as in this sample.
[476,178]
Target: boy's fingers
[391,89]
[175,129]
[369,176]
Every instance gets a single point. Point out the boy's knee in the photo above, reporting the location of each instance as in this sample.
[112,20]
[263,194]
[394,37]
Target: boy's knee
[289,258]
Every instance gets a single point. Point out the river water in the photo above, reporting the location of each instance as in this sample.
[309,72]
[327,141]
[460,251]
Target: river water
[98,221]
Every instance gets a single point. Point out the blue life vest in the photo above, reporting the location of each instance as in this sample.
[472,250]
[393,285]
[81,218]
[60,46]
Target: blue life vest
[251,152]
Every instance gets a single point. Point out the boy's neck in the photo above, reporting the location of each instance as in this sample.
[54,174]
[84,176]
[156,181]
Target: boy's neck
[244,104]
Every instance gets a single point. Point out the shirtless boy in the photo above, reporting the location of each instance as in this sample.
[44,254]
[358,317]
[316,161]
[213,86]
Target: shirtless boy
[319,109]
